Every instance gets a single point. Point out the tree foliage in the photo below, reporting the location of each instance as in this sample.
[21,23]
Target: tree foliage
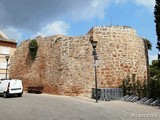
[33,47]
[148,43]
[154,70]
[153,88]
[131,86]
[157,22]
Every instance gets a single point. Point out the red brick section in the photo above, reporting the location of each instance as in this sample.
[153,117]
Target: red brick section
[8,44]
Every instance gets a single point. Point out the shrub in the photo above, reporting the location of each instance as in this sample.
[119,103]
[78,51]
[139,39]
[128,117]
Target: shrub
[126,85]
[33,47]
[153,88]
[132,86]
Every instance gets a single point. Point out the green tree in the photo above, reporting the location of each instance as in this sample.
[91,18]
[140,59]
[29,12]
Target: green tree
[154,70]
[157,22]
[154,83]
[154,88]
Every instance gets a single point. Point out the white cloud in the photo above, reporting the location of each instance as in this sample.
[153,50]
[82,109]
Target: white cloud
[119,1]
[147,3]
[152,57]
[12,33]
[95,8]
[57,27]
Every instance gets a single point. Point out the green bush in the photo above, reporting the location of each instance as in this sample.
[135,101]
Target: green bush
[150,88]
[153,88]
[131,86]
[33,47]
[154,70]
[126,85]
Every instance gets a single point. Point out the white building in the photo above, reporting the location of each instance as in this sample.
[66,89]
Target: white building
[7,48]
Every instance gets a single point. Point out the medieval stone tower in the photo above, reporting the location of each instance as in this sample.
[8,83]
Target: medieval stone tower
[64,64]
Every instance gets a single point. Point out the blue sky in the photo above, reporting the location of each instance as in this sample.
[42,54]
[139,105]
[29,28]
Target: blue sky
[24,19]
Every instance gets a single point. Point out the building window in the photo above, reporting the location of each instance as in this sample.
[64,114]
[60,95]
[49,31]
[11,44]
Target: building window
[2,65]
[2,76]
[4,50]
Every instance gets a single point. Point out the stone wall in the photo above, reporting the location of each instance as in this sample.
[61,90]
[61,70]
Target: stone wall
[121,52]
[64,64]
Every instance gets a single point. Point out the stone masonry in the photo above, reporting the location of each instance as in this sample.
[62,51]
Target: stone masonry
[64,64]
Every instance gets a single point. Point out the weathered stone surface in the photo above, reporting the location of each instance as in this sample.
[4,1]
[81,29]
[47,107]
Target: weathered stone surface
[64,65]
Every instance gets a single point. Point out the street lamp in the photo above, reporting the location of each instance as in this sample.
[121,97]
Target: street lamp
[94,53]
[7,58]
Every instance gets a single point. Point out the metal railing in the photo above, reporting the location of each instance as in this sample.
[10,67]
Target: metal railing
[108,93]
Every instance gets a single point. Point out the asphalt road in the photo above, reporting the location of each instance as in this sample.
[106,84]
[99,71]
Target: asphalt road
[51,107]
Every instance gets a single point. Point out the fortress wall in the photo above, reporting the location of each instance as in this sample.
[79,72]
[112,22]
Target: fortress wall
[121,52]
[64,64]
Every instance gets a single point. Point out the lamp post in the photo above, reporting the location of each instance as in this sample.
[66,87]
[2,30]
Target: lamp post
[7,58]
[94,53]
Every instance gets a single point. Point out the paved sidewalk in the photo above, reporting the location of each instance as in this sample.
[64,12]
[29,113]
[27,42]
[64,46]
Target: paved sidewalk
[116,109]
[126,110]
[53,107]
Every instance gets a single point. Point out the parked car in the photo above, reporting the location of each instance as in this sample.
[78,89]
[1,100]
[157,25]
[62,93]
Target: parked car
[10,87]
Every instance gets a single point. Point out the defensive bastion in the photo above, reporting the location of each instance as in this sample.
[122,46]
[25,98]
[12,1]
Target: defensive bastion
[64,64]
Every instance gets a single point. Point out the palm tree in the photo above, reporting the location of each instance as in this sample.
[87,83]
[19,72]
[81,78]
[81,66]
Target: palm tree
[148,46]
